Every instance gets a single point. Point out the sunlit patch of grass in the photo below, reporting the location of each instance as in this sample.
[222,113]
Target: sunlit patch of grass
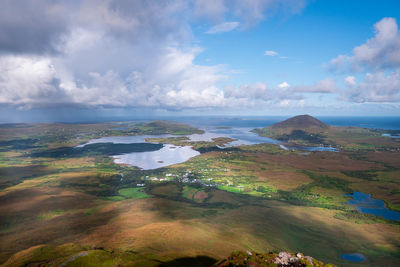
[230,189]
[75,255]
[13,158]
[48,180]
[73,163]
[134,192]
[327,195]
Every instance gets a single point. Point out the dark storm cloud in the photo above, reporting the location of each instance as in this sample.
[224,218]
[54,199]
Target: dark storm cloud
[31,26]
[136,21]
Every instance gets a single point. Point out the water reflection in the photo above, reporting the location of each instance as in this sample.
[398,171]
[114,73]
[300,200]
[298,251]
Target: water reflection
[243,136]
[168,155]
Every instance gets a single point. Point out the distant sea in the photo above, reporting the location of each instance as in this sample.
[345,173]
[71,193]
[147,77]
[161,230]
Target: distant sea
[387,123]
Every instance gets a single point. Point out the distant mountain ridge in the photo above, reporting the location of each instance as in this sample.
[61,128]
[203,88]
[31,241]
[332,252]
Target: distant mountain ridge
[171,127]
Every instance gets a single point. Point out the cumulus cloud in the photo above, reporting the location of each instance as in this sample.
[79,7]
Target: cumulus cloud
[378,53]
[29,81]
[284,85]
[120,53]
[381,56]
[223,27]
[259,93]
[375,88]
[327,85]
[173,82]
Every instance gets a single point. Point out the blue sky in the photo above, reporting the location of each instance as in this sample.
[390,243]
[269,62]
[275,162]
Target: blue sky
[256,57]
[323,30]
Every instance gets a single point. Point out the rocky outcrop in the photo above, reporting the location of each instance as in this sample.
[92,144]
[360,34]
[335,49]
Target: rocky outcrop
[271,259]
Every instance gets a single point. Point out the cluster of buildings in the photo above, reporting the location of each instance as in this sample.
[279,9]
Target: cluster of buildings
[186,177]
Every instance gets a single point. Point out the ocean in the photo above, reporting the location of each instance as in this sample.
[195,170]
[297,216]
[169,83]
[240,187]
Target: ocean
[387,123]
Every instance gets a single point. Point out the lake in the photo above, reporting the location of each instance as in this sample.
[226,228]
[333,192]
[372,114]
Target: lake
[242,134]
[354,257]
[125,139]
[366,204]
[169,154]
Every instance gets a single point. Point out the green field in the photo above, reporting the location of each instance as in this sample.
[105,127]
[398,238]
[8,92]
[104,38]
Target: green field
[134,193]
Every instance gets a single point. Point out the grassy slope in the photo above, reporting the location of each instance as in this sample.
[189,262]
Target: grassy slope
[65,200]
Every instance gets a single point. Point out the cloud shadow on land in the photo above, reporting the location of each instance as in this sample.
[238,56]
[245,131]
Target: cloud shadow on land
[34,216]
[257,224]
[198,261]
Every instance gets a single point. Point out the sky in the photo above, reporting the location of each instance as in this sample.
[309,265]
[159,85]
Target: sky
[94,59]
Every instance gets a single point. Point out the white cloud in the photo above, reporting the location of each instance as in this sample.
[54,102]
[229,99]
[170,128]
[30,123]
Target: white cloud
[34,81]
[284,85]
[284,103]
[377,53]
[172,82]
[223,27]
[381,56]
[375,88]
[254,91]
[271,53]
[259,94]
[327,85]
[29,81]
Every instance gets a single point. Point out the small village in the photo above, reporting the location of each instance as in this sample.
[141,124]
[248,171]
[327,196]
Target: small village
[187,177]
